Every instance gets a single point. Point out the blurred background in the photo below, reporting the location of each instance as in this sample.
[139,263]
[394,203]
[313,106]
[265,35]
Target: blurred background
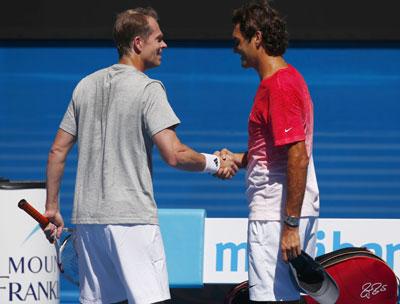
[347,51]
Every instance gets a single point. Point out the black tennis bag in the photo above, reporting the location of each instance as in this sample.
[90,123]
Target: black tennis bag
[362,278]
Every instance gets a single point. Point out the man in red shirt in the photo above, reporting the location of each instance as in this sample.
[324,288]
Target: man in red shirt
[282,189]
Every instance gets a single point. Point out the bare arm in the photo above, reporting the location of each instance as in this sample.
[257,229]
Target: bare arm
[296,178]
[55,169]
[176,154]
[180,156]
[296,185]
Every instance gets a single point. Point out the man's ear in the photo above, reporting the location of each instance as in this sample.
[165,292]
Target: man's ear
[258,37]
[137,44]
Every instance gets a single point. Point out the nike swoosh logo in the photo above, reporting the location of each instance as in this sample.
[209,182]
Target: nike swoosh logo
[252,286]
[287,130]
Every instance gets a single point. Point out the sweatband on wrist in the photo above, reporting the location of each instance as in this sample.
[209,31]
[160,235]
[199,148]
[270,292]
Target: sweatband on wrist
[212,163]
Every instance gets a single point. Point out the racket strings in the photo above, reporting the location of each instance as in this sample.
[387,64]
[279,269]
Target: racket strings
[69,260]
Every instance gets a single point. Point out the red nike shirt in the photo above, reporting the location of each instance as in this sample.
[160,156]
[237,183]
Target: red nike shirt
[282,113]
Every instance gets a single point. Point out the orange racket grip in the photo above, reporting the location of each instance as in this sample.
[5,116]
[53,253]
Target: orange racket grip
[28,208]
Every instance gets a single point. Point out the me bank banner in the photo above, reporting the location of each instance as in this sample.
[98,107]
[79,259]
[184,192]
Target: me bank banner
[225,258]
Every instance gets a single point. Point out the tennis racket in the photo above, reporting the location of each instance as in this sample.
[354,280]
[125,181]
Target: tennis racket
[67,259]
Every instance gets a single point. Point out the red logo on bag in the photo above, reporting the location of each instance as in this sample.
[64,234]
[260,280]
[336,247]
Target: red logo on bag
[369,289]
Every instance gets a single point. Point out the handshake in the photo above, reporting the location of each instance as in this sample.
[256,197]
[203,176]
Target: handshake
[230,163]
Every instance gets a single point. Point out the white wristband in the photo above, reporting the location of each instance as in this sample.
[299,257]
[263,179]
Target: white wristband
[212,163]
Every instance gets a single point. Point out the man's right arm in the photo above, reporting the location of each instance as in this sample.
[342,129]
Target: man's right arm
[55,169]
[180,156]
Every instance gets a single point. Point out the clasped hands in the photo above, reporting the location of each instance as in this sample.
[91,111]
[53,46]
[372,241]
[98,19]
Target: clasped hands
[228,167]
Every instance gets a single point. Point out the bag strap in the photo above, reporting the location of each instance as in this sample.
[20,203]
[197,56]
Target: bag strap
[344,254]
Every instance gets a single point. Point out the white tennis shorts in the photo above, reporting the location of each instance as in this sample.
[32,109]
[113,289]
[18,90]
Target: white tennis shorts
[269,277]
[119,262]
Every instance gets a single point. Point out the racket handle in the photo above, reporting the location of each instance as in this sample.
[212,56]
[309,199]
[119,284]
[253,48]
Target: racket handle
[28,208]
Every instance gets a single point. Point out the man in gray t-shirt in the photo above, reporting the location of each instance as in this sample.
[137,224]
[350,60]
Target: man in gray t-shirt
[118,110]
[116,115]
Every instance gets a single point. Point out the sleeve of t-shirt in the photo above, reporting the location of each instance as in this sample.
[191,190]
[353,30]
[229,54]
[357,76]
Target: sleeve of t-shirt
[69,122]
[157,112]
[286,116]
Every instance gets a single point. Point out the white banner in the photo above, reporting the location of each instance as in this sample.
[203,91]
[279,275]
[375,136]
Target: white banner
[225,244]
[28,265]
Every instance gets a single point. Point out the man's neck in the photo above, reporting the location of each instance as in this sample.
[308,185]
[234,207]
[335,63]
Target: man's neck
[133,61]
[269,65]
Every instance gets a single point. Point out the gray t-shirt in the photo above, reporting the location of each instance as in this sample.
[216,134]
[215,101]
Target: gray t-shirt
[114,113]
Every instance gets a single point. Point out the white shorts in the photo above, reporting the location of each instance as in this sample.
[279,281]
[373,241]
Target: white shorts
[119,262]
[269,277]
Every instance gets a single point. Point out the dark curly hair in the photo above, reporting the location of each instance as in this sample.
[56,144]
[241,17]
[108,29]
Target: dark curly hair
[260,16]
